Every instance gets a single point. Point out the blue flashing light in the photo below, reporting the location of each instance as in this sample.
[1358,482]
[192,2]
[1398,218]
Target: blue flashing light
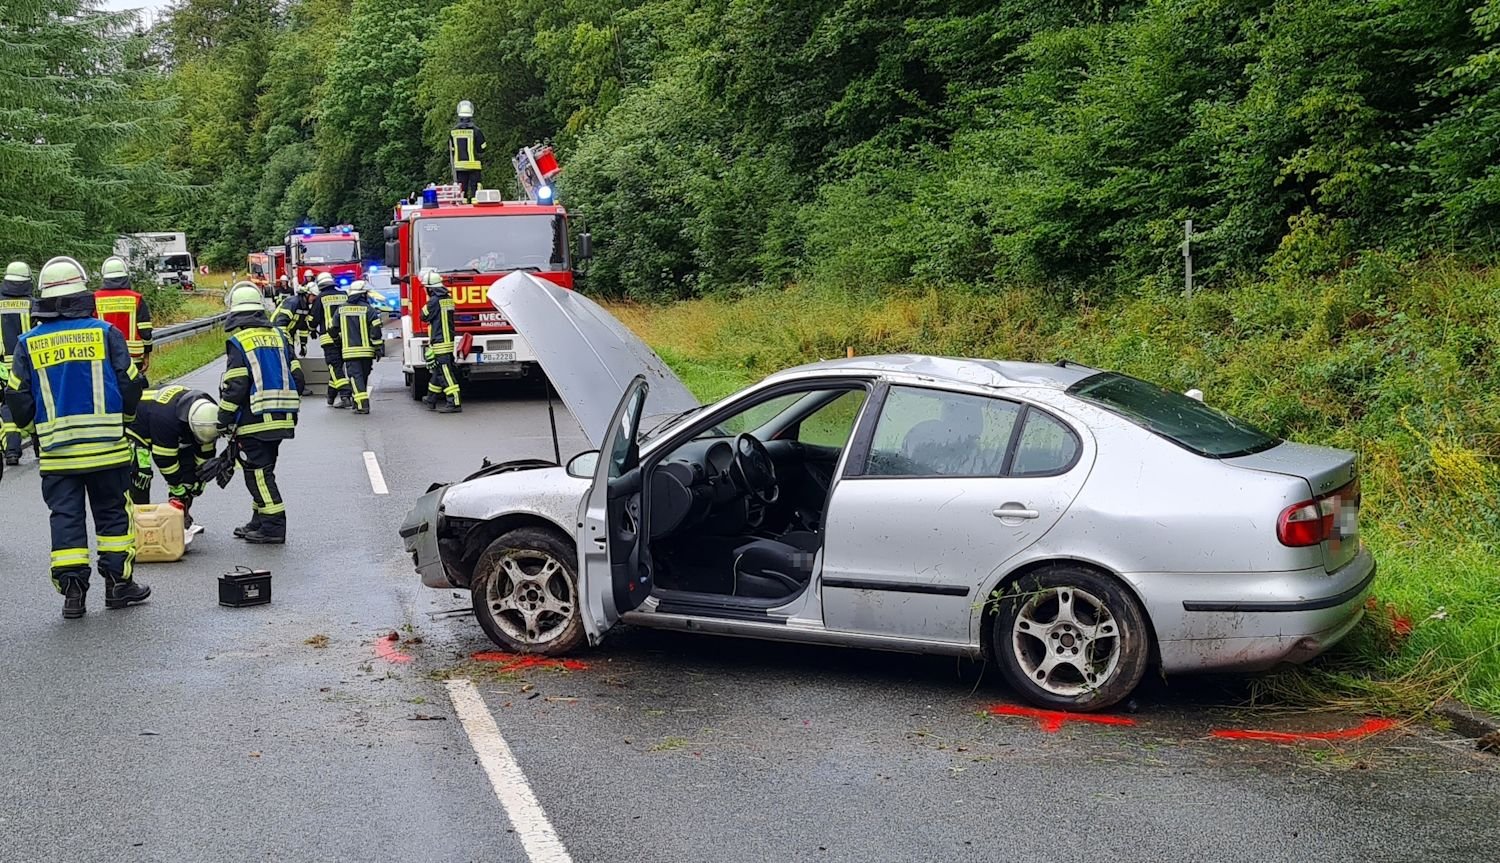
[306,232]
[544,193]
[343,280]
[429,197]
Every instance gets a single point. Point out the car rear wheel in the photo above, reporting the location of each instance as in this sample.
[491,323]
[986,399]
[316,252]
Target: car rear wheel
[525,593]
[1070,638]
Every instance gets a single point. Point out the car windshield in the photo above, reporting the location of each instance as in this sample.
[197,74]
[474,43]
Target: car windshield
[492,244]
[1187,422]
[173,263]
[340,251]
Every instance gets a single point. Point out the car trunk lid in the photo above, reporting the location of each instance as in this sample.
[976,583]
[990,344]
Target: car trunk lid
[1333,485]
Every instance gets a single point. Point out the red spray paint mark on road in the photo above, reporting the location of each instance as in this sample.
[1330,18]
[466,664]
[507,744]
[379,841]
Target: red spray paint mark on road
[1364,729]
[1051,720]
[525,661]
[385,648]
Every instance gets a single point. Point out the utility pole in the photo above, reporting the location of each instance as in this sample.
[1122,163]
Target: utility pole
[1187,255]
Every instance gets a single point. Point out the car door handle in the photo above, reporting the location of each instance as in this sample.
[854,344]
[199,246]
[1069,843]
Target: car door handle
[1015,512]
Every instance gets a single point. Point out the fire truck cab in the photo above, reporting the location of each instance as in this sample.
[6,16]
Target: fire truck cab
[260,271]
[473,245]
[312,251]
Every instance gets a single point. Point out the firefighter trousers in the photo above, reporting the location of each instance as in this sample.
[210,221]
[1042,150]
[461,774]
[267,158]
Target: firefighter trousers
[443,382]
[11,434]
[359,381]
[258,460]
[68,496]
[469,181]
[338,385]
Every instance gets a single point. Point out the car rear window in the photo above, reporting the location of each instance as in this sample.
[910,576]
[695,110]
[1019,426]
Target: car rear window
[1187,422]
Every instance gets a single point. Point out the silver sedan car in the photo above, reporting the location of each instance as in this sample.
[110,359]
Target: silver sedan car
[1074,526]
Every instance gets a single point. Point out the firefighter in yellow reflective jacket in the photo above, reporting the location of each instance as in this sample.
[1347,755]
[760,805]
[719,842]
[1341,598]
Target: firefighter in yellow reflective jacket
[76,389]
[15,318]
[465,145]
[258,406]
[325,322]
[360,336]
[442,388]
[118,304]
[293,316]
[177,428]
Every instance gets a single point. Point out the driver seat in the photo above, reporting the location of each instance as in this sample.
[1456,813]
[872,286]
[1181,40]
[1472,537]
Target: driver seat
[773,568]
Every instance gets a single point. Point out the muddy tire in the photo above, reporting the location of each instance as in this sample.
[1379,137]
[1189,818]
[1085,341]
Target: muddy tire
[1070,638]
[525,593]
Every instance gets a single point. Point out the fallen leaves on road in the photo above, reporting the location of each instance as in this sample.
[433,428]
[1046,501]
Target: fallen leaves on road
[318,641]
[423,717]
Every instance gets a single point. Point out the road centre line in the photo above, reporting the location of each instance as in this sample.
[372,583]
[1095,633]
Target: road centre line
[511,788]
[377,479]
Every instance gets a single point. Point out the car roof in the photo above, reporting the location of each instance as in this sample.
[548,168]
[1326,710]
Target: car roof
[972,372]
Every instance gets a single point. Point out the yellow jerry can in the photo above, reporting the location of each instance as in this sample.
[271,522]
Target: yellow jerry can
[159,533]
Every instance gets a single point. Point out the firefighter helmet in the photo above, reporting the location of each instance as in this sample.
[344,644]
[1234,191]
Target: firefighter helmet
[245,297]
[17,271]
[432,278]
[465,110]
[358,287]
[63,277]
[203,418]
[325,281]
[114,268]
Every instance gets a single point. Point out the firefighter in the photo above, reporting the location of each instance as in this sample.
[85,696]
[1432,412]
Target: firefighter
[293,316]
[118,304]
[258,406]
[361,339]
[77,388]
[15,318]
[178,428]
[325,310]
[442,388]
[465,145]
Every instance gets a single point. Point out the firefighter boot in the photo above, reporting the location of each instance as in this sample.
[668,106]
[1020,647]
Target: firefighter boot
[346,402]
[450,408]
[253,526]
[122,592]
[74,592]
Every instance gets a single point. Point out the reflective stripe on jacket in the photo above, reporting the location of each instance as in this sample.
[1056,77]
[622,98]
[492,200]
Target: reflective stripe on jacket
[439,318]
[15,319]
[357,330]
[462,150]
[79,384]
[325,316]
[260,389]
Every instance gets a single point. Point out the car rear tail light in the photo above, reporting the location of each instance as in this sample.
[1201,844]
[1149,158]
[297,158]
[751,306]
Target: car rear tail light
[1301,524]
[1313,521]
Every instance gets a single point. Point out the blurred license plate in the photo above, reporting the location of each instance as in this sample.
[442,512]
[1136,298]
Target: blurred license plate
[498,357]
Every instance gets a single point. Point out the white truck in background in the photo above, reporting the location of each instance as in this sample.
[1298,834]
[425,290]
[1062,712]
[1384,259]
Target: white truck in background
[162,253]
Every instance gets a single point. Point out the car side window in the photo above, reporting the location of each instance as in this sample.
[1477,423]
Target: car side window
[831,424]
[1047,447]
[924,432]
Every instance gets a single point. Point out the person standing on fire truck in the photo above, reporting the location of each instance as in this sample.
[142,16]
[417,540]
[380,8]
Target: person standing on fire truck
[117,303]
[465,144]
[325,322]
[16,306]
[443,385]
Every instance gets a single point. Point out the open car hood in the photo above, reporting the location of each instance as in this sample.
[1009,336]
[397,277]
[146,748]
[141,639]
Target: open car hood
[589,356]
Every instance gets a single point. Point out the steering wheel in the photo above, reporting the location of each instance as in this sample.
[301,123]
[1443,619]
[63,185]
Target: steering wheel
[756,471]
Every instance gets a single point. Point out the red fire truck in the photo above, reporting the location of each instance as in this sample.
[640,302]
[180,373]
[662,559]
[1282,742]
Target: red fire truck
[475,244]
[312,251]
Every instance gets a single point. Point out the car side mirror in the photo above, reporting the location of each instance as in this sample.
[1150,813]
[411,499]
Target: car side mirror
[585,246]
[583,465]
[392,254]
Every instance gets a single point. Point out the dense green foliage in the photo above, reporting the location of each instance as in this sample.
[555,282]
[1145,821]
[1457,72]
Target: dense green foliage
[71,170]
[725,144]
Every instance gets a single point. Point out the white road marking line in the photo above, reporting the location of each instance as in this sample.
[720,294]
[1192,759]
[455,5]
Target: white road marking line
[377,479]
[521,806]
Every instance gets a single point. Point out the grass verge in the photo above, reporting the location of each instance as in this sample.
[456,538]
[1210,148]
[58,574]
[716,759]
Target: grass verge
[175,359]
[1397,361]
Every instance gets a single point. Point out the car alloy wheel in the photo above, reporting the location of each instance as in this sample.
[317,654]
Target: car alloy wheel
[1068,637]
[525,592]
[532,600]
[1066,640]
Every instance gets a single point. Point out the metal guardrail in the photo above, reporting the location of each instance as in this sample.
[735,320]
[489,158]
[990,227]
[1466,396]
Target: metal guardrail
[167,335]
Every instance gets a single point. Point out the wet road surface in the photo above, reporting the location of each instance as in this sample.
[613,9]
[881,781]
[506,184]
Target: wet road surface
[180,731]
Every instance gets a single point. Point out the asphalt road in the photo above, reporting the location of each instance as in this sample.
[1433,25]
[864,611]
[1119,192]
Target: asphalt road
[182,731]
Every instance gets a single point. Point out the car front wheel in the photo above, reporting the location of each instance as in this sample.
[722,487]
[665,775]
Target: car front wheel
[525,593]
[1070,638]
